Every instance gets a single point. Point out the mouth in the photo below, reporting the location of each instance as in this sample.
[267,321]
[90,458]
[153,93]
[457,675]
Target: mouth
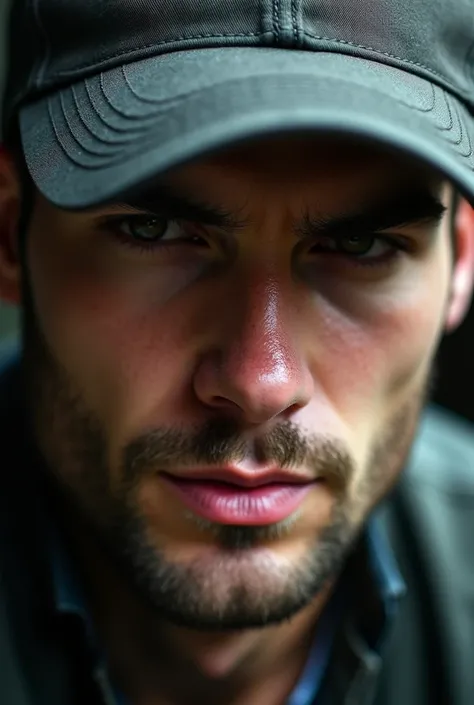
[229,497]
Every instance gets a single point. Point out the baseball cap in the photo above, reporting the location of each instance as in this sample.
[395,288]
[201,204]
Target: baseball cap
[107,94]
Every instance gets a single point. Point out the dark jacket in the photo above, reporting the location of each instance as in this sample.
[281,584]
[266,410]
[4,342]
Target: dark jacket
[428,658]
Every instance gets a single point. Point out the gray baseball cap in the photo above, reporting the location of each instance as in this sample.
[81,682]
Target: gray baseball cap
[107,94]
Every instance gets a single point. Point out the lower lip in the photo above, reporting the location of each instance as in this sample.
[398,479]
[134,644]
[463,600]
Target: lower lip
[228,504]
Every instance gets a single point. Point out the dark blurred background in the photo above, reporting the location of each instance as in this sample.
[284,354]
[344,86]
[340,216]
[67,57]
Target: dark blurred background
[456,384]
[8,316]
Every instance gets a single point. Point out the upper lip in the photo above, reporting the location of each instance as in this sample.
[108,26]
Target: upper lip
[243,478]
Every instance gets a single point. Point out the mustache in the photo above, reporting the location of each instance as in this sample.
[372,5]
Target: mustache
[221,441]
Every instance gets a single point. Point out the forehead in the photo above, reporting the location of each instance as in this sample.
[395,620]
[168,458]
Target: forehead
[299,169]
[325,161]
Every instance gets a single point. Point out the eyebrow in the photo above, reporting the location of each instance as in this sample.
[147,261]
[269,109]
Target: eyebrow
[169,202]
[408,206]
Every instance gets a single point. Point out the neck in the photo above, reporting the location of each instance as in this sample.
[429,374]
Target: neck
[184,666]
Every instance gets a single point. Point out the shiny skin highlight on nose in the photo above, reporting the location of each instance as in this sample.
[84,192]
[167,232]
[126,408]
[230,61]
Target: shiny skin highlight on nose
[256,369]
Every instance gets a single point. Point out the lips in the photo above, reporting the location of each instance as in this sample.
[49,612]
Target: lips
[246,500]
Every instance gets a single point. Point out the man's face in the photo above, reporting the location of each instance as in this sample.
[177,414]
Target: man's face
[162,346]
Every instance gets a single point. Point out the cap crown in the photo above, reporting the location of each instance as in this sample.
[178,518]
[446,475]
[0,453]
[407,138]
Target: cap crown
[56,42]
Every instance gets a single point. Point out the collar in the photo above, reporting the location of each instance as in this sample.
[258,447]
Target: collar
[387,577]
[387,587]
[68,592]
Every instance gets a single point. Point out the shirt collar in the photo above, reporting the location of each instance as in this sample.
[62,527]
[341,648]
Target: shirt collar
[377,584]
[389,588]
[388,580]
[68,592]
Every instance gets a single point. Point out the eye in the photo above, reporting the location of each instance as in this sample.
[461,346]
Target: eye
[353,244]
[147,232]
[355,247]
[151,228]
[357,244]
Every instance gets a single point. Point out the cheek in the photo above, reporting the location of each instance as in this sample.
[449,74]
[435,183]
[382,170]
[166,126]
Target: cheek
[109,323]
[376,345]
[408,325]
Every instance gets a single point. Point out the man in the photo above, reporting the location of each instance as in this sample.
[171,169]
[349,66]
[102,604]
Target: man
[237,233]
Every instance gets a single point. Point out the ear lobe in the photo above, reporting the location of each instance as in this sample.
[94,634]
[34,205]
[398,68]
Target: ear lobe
[10,203]
[463,276]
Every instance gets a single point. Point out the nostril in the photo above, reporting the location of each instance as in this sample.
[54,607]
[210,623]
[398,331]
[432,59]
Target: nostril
[221,402]
[252,384]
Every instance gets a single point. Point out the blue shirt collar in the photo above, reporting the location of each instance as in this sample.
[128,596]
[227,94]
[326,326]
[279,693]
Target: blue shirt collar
[388,580]
[389,587]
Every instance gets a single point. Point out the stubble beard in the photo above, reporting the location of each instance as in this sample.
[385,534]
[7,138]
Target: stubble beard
[238,585]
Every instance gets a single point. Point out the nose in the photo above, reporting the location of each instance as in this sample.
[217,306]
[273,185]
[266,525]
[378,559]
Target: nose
[256,371]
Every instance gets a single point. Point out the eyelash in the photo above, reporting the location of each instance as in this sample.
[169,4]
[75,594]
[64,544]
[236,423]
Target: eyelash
[111,224]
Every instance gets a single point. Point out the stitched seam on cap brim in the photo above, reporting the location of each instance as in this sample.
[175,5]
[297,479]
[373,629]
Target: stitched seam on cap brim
[448,107]
[420,108]
[447,129]
[133,136]
[344,42]
[255,34]
[19,97]
[469,154]
[160,104]
[114,159]
[158,44]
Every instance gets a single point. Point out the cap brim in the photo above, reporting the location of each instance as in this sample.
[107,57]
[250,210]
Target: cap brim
[104,135]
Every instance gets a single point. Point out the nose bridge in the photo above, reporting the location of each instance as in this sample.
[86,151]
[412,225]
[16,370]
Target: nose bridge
[260,369]
[262,338]
[254,366]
